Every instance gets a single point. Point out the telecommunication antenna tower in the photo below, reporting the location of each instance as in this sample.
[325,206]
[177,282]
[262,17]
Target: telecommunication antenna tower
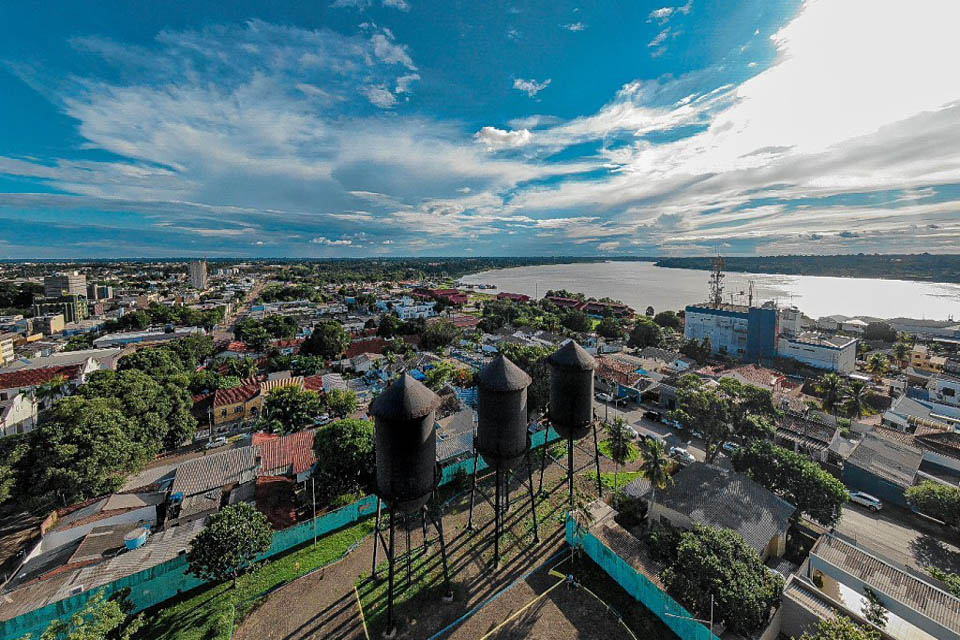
[716,282]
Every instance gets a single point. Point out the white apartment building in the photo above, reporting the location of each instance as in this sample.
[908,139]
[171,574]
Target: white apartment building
[831,354]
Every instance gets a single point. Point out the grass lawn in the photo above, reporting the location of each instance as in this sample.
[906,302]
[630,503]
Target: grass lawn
[206,612]
[606,478]
[633,451]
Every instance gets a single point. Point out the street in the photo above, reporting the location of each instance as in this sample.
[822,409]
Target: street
[633,415]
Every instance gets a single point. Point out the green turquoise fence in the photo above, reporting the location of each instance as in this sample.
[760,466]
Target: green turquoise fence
[166,580]
[638,585]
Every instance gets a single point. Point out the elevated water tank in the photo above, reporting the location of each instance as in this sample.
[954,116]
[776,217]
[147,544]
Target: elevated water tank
[571,390]
[406,444]
[502,413]
[136,538]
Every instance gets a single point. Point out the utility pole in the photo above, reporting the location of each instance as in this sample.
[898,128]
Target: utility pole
[313,497]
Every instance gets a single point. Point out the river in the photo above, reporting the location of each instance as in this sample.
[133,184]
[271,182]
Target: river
[641,284]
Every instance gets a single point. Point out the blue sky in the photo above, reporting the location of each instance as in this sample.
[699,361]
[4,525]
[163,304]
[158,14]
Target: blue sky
[407,127]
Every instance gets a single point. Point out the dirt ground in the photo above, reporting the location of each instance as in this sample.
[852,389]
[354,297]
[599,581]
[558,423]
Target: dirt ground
[327,604]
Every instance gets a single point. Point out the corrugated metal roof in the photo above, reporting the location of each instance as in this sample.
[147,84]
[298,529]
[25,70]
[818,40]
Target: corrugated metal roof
[937,605]
[890,460]
[215,471]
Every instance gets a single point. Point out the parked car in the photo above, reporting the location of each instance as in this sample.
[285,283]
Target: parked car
[730,447]
[682,455]
[652,415]
[604,397]
[216,443]
[633,432]
[866,500]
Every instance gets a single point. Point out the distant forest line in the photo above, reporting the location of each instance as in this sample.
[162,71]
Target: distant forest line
[924,267]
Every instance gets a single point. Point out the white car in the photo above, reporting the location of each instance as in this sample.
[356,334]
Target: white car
[633,432]
[865,499]
[730,447]
[215,443]
[682,455]
[604,397]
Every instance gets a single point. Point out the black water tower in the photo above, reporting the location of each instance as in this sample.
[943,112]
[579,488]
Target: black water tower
[502,413]
[571,390]
[406,444]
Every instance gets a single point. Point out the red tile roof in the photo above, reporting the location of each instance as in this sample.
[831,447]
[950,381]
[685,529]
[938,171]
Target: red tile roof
[313,383]
[287,454]
[365,345]
[36,377]
[224,397]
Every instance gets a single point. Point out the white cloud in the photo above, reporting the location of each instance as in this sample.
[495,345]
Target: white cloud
[331,243]
[404,82]
[575,26]
[380,97]
[530,87]
[660,37]
[495,139]
[388,51]
[402,5]
[662,13]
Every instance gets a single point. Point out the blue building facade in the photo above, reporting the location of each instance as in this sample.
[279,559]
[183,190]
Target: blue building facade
[747,333]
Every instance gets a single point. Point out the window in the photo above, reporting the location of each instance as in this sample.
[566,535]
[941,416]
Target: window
[223,412]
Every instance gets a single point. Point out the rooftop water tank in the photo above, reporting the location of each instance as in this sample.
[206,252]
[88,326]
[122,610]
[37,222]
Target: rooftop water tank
[406,444]
[502,413]
[136,538]
[571,390]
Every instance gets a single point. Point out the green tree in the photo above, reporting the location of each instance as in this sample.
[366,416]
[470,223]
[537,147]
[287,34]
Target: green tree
[841,628]
[342,402]
[704,409]
[795,478]
[878,364]
[874,612]
[936,500]
[655,467]
[879,331]
[258,339]
[668,319]
[329,340]
[83,449]
[576,320]
[346,460]
[610,328]
[230,542]
[901,350]
[100,619]
[389,327]
[619,451]
[856,398]
[292,408]
[242,367]
[441,373]
[439,334]
[750,410]
[831,388]
[159,362]
[719,563]
[306,365]
[951,580]
[645,334]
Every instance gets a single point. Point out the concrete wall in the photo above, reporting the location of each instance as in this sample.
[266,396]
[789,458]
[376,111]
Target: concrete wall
[862,480]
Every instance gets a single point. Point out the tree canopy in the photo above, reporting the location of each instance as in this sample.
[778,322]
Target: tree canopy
[645,333]
[668,319]
[342,402]
[439,334]
[346,460]
[795,478]
[720,563]
[936,500]
[232,539]
[329,340]
[841,628]
[290,408]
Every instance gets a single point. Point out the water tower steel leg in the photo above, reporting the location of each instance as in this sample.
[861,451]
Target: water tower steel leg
[438,523]
[496,523]
[506,492]
[570,468]
[424,521]
[377,539]
[596,454]
[543,463]
[533,502]
[390,557]
[406,525]
[473,486]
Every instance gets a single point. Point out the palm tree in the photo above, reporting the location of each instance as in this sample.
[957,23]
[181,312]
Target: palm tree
[857,397]
[51,389]
[654,469]
[830,387]
[900,351]
[877,365]
[619,451]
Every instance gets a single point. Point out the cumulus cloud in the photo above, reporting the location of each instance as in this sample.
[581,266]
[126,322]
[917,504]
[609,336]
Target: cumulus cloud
[530,87]
[331,243]
[380,96]
[404,82]
[495,139]
[575,26]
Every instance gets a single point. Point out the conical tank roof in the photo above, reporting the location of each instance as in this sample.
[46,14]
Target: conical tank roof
[573,356]
[503,375]
[405,399]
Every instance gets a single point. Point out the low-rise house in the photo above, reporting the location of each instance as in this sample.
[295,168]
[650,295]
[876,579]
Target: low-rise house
[708,495]
[756,376]
[104,359]
[291,455]
[882,468]
[809,437]
[923,359]
[20,381]
[18,414]
[203,485]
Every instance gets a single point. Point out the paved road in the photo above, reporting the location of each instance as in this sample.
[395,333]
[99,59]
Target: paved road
[224,330]
[900,536]
[633,414]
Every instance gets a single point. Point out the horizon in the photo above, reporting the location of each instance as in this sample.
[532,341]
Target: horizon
[362,128]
